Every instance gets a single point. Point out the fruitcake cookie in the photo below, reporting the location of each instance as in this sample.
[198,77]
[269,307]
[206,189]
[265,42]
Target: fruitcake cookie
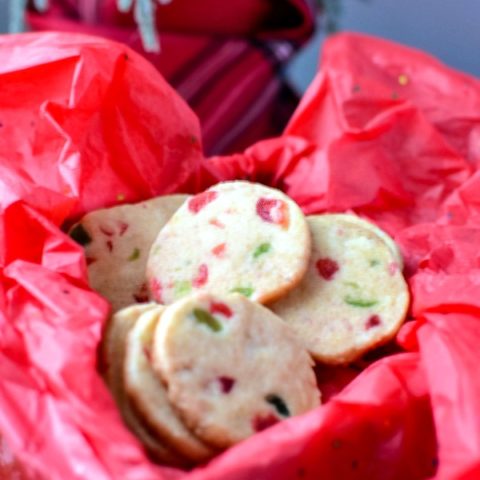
[374,229]
[113,346]
[232,367]
[234,237]
[117,241]
[113,352]
[149,396]
[353,296]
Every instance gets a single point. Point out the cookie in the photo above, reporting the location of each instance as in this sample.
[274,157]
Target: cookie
[392,245]
[113,353]
[113,346]
[353,297]
[149,396]
[234,237]
[232,367]
[117,241]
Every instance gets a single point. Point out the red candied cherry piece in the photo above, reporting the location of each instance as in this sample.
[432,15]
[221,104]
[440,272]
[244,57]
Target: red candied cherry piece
[216,223]
[327,268]
[272,210]
[109,244]
[219,250]
[226,384]
[373,321]
[148,353]
[260,422]
[202,276]
[123,227]
[218,307]
[156,289]
[199,201]
[90,260]
[393,268]
[141,296]
[106,231]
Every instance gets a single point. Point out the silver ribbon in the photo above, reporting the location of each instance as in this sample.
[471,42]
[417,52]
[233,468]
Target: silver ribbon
[143,11]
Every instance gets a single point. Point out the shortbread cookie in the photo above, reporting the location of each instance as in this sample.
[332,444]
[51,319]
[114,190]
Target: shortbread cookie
[235,237]
[117,241]
[113,352]
[232,367]
[392,245]
[353,296]
[113,346]
[148,394]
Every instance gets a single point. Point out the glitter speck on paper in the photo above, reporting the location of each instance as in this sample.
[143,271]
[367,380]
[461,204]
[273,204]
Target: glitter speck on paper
[403,80]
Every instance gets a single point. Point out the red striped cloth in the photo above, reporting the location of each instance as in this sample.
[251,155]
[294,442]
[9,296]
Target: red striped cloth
[226,62]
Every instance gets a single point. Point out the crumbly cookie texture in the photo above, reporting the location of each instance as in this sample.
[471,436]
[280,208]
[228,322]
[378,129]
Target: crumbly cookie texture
[231,367]
[353,297]
[234,237]
[117,241]
[361,222]
[113,360]
[149,396]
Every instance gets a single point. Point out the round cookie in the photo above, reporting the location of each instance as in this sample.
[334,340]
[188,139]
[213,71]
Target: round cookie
[234,237]
[113,353]
[392,245]
[232,367]
[117,241]
[149,396]
[113,346]
[353,297]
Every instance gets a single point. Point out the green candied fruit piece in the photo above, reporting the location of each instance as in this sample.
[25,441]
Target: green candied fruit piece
[261,249]
[352,284]
[245,291]
[360,302]
[135,255]
[205,318]
[80,235]
[182,287]
[374,262]
[279,404]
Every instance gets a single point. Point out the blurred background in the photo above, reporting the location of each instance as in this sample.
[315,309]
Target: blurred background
[242,65]
[448,29]
[254,58]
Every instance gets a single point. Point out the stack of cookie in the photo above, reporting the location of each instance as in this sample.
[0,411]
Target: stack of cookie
[196,370]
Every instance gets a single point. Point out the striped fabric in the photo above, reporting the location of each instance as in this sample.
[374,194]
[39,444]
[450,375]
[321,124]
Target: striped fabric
[227,63]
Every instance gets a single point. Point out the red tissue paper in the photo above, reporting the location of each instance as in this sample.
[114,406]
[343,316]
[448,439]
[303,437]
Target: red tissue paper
[384,131]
